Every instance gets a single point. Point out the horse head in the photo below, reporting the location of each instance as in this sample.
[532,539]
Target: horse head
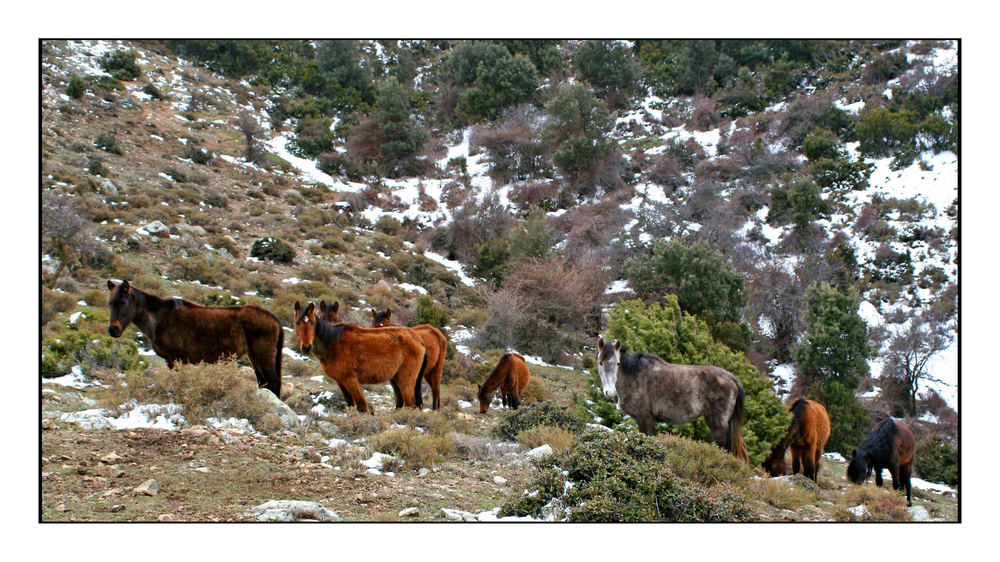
[305,326]
[775,466]
[858,470]
[608,357]
[381,319]
[123,307]
[485,398]
[329,313]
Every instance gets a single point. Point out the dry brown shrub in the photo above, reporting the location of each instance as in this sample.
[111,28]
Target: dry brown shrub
[419,450]
[883,504]
[534,392]
[556,437]
[704,115]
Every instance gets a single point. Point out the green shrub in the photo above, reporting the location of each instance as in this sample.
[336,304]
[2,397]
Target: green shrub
[625,477]
[92,351]
[678,337]
[937,461]
[430,313]
[418,450]
[798,201]
[608,66]
[151,91]
[121,65]
[76,87]
[699,275]
[534,415]
[841,173]
[108,142]
[821,143]
[273,249]
[558,438]
[388,225]
[196,154]
[881,130]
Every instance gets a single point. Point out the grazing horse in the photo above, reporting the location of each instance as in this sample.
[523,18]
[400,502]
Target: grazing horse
[353,356]
[182,331]
[510,376]
[889,444]
[651,390]
[807,435]
[437,347]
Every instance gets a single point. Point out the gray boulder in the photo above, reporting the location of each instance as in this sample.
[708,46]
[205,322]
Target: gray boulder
[289,418]
[293,510]
[539,452]
[108,186]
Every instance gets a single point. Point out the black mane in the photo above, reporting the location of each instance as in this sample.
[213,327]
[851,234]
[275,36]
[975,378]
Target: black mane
[329,333]
[874,450]
[631,363]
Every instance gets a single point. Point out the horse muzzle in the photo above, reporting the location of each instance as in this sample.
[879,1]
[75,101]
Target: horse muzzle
[306,349]
[114,331]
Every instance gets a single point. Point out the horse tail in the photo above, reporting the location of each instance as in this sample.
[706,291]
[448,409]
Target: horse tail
[417,398]
[278,353]
[736,425]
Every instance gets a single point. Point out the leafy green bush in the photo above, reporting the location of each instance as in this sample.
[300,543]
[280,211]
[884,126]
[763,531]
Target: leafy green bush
[841,173]
[273,249]
[72,346]
[151,91]
[678,337]
[608,66]
[881,130]
[797,201]
[430,313]
[821,143]
[937,461]
[76,87]
[699,275]
[625,477]
[108,142]
[121,65]
[502,80]
[534,415]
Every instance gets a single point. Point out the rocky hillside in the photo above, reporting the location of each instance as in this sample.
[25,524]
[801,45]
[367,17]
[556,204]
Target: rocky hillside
[512,193]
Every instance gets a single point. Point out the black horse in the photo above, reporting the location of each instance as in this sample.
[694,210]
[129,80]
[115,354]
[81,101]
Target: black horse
[890,444]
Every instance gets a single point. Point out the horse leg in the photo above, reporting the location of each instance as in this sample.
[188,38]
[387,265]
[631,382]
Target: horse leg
[395,391]
[435,383]
[407,390]
[796,461]
[904,475]
[515,401]
[894,472]
[720,434]
[878,476]
[263,367]
[354,387]
[647,424]
[817,456]
[347,395]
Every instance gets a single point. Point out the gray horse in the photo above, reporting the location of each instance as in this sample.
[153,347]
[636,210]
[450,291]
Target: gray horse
[650,390]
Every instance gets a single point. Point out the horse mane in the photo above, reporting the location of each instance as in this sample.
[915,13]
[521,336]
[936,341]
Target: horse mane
[877,444]
[329,333]
[631,363]
[151,302]
[493,380]
[797,409]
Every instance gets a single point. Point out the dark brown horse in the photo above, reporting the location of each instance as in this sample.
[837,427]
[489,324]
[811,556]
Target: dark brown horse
[182,331]
[437,348]
[651,390]
[511,377]
[353,356]
[807,435]
[890,444]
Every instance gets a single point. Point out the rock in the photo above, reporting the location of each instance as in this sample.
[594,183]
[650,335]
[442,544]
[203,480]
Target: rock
[423,472]
[919,513]
[463,416]
[293,510]
[166,517]
[156,228]
[109,471]
[289,418]
[46,423]
[499,480]
[61,507]
[539,452]
[149,487]
[410,512]
[458,515]
[111,458]
[859,511]
[108,186]
[117,508]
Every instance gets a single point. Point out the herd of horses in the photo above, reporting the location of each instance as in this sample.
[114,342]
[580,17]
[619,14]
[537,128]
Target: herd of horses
[648,388]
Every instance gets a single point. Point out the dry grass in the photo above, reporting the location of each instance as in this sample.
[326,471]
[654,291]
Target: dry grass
[883,504]
[218,390]
[558,438]
[478,448]
[534,392]
[704,463]
[781,493]
[419,450]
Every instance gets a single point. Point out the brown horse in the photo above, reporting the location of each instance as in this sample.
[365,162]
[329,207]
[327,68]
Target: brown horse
[353,356]
[890,444]
[182,331]
[511,377]
[807,435]
[651,390]
[437,348]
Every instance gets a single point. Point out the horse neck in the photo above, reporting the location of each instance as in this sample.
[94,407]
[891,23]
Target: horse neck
[150,310]
[325,339]
[496,377]
[781,446]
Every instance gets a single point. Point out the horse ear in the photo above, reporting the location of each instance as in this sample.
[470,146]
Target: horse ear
[374,314]
[336,306]
[111,285]
[600,343]
[388,313]
[322,306]
[297,307]
[618,345]
[125,286]
[310,308]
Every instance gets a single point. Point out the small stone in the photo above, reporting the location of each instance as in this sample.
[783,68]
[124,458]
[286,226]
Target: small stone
[423,472]
[539,452]
[410,512]
[293,510]
[108,187]
[61,507]
[46,423]
[499,480]
[149,487]
[111,458]
[166,517]
[117,508]
[109,471]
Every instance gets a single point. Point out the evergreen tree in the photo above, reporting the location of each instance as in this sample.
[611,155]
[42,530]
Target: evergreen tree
[609,67]
[698,274]
[832,356]
[401,136]
[578,133]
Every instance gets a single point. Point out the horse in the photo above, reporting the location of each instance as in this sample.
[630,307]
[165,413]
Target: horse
[182,331]
[890,444]
[807,435]
[651,390]
[353,356]
[510,376]
[437,347]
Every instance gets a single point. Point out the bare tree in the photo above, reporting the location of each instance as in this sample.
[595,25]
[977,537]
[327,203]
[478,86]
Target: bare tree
[911,346]
[66,234]
[247,124]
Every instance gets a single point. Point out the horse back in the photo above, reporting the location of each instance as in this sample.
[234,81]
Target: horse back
[203,333]
[377,354]
[905,444]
